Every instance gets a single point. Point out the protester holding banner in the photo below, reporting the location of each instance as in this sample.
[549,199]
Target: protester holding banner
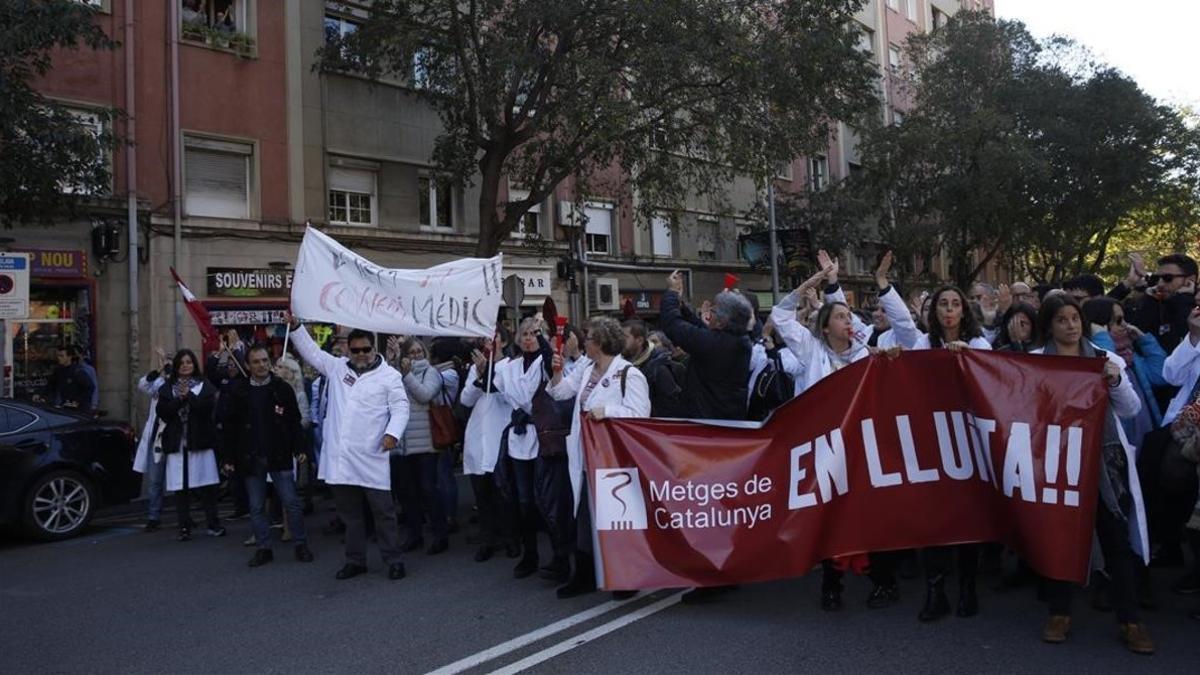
[953,326]
[415,461]
[490,417]
[609,386]
[365,420]
[718,367]
[186,405]
[1120,515]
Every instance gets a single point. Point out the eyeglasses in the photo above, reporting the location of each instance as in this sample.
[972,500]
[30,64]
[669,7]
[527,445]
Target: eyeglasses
[361,350]
[1165,278]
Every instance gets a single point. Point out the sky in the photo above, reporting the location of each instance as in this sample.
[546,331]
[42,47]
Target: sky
[1152,41]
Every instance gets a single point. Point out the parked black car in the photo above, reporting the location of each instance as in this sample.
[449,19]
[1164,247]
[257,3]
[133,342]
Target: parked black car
[58,467]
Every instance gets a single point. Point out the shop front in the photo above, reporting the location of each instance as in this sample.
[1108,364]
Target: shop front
[62,313]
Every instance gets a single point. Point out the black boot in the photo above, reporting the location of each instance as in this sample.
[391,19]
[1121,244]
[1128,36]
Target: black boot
[937,605]
[1189,584]
[583,580]
[558,571]
[529,561]
[968,601]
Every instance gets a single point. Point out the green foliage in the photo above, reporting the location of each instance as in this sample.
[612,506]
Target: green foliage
[43,147]
[663,99]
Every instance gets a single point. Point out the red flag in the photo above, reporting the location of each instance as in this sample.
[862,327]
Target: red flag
[628,310]
[731,280]
[199,314]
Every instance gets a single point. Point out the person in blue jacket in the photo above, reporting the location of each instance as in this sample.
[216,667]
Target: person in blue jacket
[1143,357]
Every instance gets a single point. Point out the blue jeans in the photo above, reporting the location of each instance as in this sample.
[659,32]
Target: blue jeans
[155,477]
[285,489]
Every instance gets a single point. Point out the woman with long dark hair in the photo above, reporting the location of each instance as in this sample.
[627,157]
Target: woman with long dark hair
[186,402]
[1120,516]
[1018,329]
[952,325]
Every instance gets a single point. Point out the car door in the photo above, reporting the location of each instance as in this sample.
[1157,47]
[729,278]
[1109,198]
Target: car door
[24,446]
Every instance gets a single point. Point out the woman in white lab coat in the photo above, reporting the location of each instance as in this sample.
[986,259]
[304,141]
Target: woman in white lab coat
[490,417]
[1120,515]
[608,386]
[186,404]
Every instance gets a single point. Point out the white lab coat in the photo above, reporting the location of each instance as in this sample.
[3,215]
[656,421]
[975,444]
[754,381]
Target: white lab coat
[1181,369]
[791,365]
[361,410]
[202,463]
[145,451]
[490,414]
[518,385]
[1126,404]
[816,358]
[607,394]
[907,334]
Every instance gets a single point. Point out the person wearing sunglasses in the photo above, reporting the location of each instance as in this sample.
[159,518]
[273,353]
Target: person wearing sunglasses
[1142,354]
[365,419]
[1163,310]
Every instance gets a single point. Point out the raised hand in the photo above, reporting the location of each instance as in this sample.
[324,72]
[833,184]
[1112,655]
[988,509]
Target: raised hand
[1137,270]
[675,282]
[881,273]
[828,265]
[1004,295]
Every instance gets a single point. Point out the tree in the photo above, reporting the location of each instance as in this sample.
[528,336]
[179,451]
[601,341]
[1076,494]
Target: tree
[49,159]
[662,99]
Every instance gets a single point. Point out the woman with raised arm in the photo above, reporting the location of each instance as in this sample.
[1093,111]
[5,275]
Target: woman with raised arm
[951,326]
[831,344]
[186,405]
[1120,518]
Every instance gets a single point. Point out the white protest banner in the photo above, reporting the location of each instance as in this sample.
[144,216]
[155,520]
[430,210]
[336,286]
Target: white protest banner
[334,284]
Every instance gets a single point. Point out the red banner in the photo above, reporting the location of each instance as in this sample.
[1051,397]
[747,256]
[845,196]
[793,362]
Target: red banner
[932,448]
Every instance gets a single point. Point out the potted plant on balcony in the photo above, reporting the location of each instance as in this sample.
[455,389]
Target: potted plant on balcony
[195,31]
[242,44]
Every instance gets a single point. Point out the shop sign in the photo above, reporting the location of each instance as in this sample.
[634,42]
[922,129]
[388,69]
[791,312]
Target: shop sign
[14,285]
[246,317]
[58,263]
[537,282]
[643,301]
[240,282]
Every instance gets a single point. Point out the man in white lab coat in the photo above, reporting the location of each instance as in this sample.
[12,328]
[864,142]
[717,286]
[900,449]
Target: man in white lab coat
[365,420]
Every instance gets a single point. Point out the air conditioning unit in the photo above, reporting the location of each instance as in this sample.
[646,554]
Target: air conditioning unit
[566,213]
[603,295]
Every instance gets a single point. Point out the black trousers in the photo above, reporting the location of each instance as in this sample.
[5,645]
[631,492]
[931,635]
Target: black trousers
[882,571]
[938,559]
[208,498]
[1121,563]
[495,516]
[555,502]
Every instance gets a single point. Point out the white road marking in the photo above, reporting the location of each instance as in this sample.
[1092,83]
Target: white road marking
[528,638]
[584,638]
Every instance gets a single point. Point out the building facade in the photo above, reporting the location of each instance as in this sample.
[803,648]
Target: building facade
[233,142]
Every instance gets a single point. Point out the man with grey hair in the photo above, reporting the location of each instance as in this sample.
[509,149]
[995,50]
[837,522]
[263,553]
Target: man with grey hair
[718,369]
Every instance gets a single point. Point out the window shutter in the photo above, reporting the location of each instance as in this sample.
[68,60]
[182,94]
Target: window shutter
[352,180]
[216,184]
[661,237]
[599,221]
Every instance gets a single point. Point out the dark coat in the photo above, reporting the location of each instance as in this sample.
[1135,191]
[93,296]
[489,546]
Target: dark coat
[283,429]
[666,391]
[718,369]
[201,422]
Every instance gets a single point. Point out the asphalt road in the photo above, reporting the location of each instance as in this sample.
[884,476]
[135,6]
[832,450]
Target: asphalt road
[119,600]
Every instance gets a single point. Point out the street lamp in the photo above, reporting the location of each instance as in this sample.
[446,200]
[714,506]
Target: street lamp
[573,229]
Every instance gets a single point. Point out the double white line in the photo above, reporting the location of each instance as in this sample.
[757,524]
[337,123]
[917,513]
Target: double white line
[567,645]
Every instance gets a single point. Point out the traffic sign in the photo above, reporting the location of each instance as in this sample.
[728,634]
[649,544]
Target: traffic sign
[14,285]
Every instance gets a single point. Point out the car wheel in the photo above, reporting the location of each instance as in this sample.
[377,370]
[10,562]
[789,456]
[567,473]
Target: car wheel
[59,505]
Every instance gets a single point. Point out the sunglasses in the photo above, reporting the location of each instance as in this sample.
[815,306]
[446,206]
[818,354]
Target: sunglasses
[1165,278]
[361,350]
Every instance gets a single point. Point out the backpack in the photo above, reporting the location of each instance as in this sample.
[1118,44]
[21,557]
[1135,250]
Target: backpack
[772,388]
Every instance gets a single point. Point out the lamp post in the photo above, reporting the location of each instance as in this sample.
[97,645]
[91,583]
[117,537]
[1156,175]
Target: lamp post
[572,227]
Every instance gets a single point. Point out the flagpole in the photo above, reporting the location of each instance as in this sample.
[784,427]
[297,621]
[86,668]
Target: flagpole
[287,334]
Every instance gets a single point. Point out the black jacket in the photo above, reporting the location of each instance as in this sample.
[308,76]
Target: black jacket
[69,386]
[1166,320]
[282,420]
[718,368]
[201,425]
[666,392]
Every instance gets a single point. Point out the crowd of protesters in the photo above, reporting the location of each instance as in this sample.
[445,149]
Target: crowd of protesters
[383,432]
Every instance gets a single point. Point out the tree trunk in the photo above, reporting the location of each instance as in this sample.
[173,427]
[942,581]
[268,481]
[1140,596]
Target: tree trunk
[492,230]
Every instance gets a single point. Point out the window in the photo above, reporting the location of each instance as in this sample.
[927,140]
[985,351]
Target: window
[92,122]
[13,420]
[706,240]
[224,16]
[893,5]
[894,58]
[598,232]
[436,202]
[352,197]
[910,9]
[866,40]
[784,171]
[818,173]
[530,223]
[897,117]
[216,178]
[660,237]
[338,27]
